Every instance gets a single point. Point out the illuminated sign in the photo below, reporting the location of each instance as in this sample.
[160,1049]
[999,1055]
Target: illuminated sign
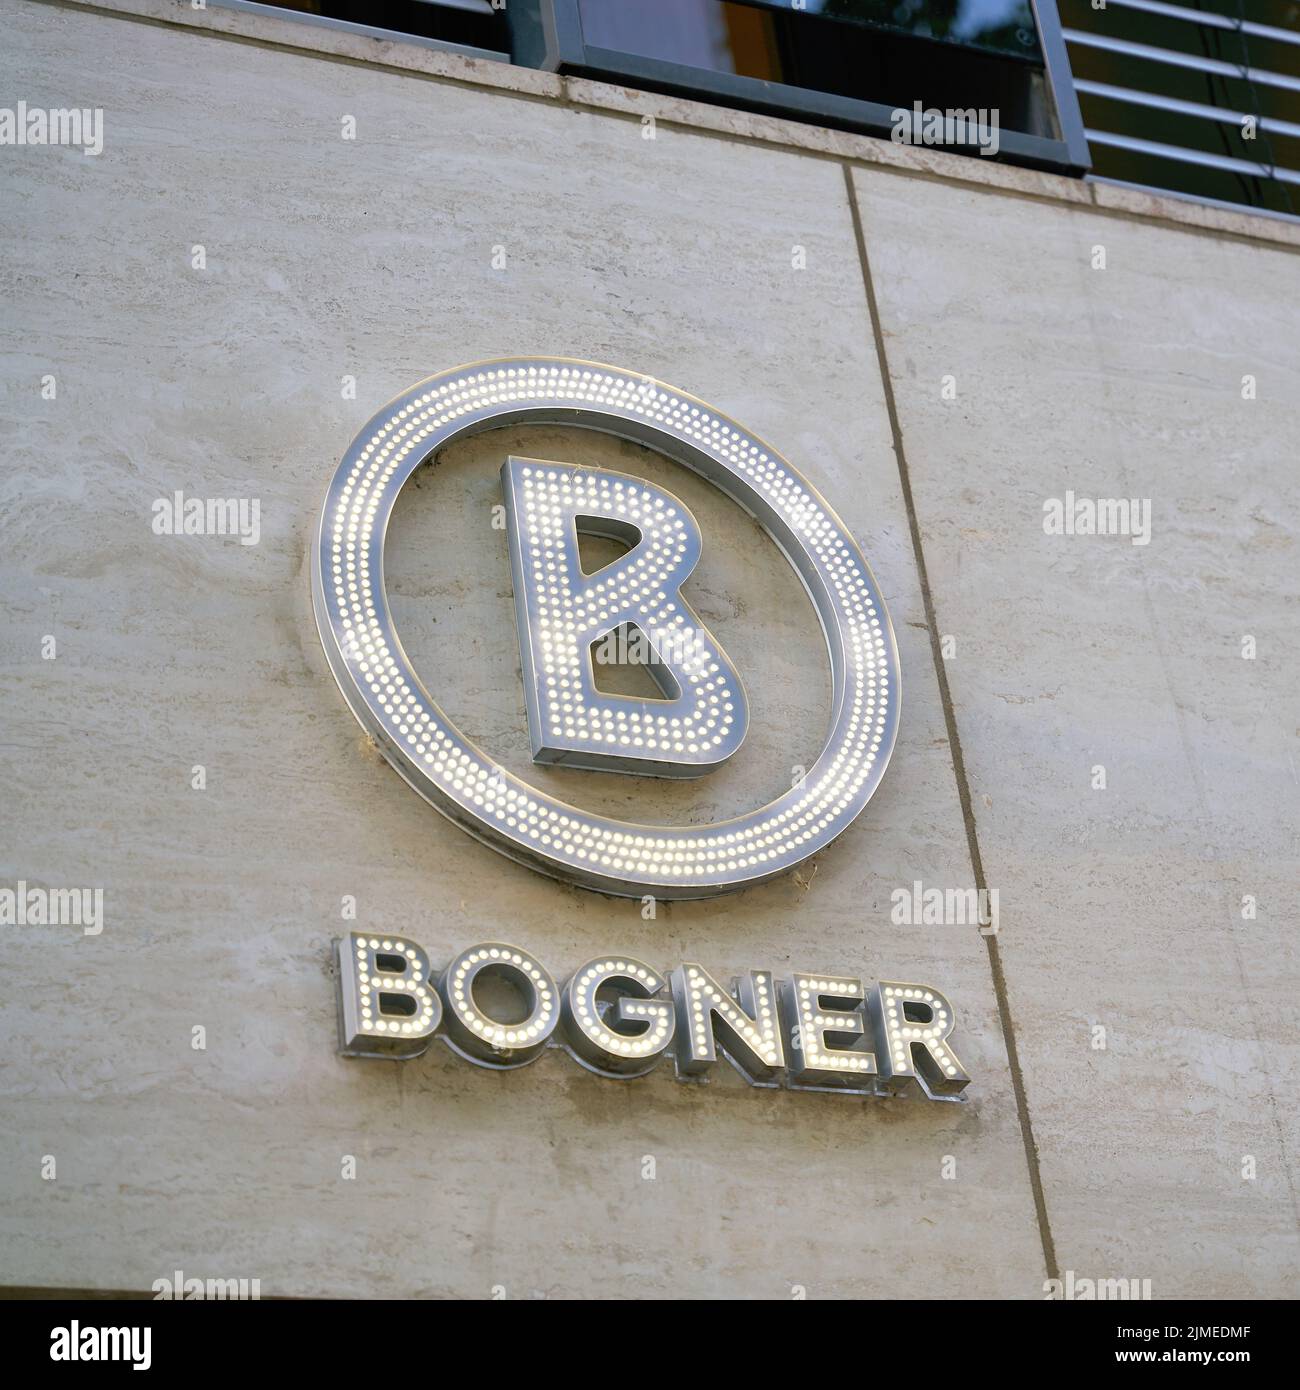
[619,1017]
[561,611]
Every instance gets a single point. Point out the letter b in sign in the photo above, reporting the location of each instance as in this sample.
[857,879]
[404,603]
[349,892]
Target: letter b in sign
[570,620]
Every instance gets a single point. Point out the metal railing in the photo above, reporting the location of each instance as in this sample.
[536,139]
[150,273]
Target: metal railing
[1106,128]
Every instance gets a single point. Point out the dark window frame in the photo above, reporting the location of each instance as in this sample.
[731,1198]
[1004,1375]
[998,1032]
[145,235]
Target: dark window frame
[551,37]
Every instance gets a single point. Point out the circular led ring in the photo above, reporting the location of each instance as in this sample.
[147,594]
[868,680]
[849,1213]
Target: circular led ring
[458,778]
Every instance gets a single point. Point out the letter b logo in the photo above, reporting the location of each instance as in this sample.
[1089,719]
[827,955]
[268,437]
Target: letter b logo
[566,617]
[693,714]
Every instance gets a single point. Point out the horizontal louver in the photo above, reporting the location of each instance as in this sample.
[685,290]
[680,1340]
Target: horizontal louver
[1201,98]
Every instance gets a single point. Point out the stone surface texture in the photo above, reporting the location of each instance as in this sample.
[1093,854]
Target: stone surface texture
[480,214]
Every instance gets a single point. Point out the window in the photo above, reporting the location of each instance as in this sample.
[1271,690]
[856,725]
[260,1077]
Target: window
[847,63]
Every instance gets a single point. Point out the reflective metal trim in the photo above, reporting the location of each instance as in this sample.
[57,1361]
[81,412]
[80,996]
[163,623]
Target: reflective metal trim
[1188,156]
[1211,20]
[1244,210]
[369,31]
[1225,116]
[1183,60]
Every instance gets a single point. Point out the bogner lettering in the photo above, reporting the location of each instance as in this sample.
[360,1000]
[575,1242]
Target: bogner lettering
[498,1006]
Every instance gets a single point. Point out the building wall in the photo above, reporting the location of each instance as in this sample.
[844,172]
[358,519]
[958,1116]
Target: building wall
[1120,908]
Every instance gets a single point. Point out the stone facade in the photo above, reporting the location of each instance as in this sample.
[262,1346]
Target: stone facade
[934,343]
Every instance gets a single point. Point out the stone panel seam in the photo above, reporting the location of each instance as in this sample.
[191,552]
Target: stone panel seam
[954,738]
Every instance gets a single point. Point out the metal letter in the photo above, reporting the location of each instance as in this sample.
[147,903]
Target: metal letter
[477,1036]
[590,1022]
[746,1021]
[387,1004]
[813,1063]
[562,613]
[912,1017]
